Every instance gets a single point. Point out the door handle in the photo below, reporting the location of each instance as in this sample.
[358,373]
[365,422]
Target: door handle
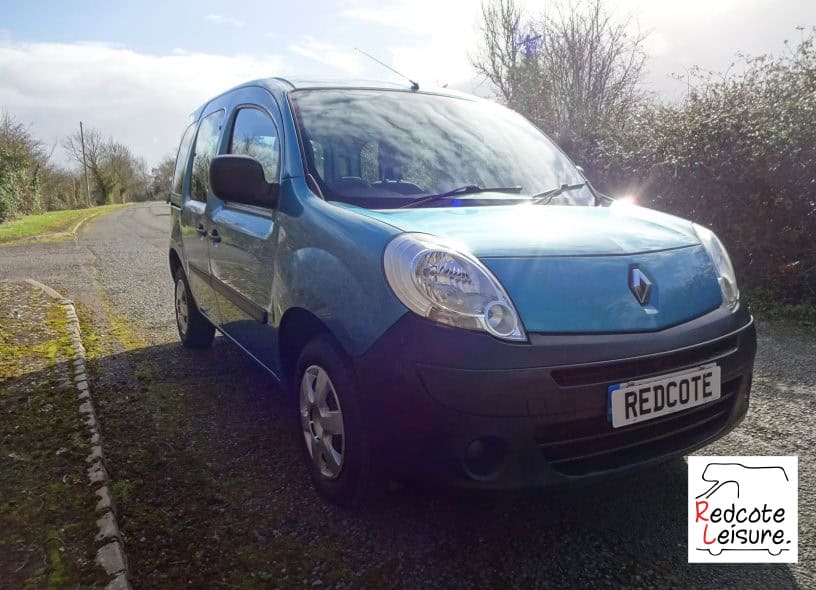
[214,236]
[202,231]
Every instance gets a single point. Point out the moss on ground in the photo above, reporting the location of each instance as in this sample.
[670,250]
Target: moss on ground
[46,505]
[115,335]
[16,348]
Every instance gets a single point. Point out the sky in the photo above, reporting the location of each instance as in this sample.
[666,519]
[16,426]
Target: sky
[135,70]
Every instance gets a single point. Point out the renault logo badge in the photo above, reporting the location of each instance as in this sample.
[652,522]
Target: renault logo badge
[640,285]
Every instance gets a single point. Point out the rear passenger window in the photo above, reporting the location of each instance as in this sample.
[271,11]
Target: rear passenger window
[206,146]
[254,134]
[181,160]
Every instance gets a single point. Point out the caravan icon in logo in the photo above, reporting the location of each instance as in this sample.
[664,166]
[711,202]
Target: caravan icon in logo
[743,510]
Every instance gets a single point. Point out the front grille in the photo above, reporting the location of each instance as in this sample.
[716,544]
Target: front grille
[623,370]
[581,447]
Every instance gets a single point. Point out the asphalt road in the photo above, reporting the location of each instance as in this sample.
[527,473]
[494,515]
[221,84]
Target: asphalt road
[211,489]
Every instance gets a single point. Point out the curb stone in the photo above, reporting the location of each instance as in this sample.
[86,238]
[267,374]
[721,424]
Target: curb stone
[110,556]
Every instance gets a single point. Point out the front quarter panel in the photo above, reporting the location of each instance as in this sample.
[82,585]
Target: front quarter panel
[329,263]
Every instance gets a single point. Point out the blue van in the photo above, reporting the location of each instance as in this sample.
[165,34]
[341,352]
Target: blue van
[445,294]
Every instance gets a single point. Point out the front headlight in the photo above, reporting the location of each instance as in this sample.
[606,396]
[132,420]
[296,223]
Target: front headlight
[725,270]
[439,283]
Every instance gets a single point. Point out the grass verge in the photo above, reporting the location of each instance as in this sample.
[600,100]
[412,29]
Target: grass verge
[53,222]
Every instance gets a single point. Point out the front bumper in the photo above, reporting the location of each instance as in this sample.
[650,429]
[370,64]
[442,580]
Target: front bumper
[539,410]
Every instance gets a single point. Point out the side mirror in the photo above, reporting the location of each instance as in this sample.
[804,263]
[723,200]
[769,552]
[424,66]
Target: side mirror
[241,179]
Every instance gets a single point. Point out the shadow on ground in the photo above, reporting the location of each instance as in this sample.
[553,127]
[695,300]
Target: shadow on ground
[211,491]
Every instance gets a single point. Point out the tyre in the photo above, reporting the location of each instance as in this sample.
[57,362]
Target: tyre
[194,329]
[335,442]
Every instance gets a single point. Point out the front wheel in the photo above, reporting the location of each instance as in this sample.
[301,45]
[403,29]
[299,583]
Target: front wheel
[194,329]
[335,442]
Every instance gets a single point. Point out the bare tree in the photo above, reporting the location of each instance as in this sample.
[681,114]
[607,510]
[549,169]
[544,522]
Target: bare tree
[575,72]
[162,177]
[95,154]
[499,58]
[120,167]
[30,182]
[117,175]
[142,180]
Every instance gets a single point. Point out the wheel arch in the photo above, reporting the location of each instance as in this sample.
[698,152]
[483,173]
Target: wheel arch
[175,262]
[297,327]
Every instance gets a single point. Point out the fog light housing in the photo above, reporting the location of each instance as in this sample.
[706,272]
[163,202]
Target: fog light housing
[484,458]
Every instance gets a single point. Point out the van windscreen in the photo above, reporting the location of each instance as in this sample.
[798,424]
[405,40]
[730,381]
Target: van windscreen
[389,148]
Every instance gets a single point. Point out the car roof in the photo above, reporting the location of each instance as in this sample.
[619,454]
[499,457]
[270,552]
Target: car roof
[303,83]
[286,85]
[289,84]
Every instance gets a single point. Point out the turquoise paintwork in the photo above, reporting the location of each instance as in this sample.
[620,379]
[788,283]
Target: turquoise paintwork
[586,294]
[329,263]
[564,268]
[541,230]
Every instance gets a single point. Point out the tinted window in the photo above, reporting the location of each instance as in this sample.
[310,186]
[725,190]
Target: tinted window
[370,162]
[317,157]
[254,134]
[206,146]
[386,148]
[182,158]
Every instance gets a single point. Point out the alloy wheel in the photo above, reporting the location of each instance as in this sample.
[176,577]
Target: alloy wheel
[182,307]
[322,420]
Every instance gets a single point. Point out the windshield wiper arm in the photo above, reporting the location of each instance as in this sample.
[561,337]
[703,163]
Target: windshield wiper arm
[468,189]
[547,196]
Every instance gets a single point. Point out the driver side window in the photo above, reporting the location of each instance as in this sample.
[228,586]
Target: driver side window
[254,134]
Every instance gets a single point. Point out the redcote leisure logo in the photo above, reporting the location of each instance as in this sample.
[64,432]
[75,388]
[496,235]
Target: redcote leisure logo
[743,510]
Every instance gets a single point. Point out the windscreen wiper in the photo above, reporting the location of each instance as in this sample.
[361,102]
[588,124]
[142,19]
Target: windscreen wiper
[468,189]
[547,196]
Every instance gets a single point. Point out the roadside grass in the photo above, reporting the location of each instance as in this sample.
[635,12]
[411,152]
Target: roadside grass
[52,222]
[46,507]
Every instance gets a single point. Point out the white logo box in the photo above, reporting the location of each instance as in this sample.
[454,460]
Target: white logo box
[743,509]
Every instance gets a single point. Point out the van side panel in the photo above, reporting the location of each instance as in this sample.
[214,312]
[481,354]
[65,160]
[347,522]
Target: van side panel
[329,263]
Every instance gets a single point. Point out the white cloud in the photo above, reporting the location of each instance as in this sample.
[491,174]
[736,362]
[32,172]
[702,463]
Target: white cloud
[341,59]
[395,16]
[220,19]
[444,35]
[140,99]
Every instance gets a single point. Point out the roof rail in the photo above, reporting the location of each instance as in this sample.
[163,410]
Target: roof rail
[284,80]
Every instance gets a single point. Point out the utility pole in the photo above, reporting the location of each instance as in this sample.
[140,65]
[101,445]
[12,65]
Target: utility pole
[84,164]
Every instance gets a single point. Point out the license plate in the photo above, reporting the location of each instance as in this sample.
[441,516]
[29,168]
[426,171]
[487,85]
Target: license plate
[637,401]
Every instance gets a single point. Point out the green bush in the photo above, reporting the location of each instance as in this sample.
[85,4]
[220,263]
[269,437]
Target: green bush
[21,159]
[738,155]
